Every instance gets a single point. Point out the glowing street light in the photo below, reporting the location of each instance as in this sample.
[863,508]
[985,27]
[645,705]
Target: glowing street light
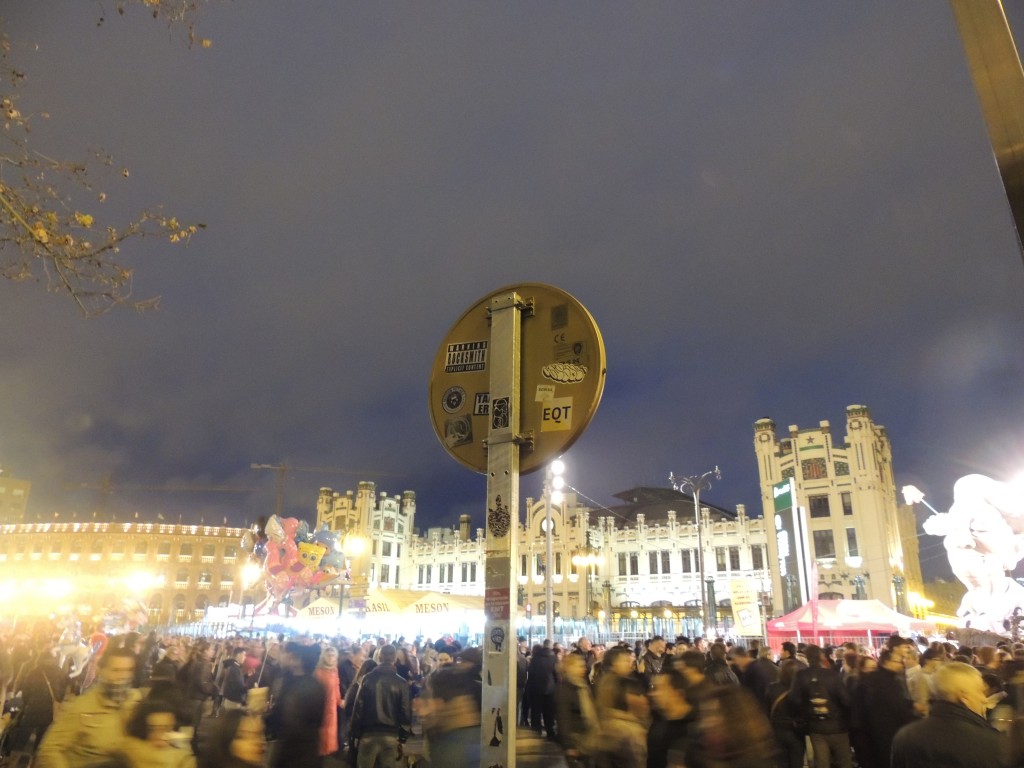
[553,484]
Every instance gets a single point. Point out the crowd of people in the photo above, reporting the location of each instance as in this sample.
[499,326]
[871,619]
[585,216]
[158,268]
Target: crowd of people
[176,702]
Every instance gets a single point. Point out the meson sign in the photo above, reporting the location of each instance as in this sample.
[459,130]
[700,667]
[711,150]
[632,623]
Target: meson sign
[432,608]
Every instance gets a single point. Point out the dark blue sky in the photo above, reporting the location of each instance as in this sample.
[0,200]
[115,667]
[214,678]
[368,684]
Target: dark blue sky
[770,209]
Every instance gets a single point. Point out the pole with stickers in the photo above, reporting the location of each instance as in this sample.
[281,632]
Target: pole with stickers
[514,384]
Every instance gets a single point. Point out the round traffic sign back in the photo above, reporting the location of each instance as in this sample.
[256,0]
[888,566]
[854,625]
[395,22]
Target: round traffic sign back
[562,377]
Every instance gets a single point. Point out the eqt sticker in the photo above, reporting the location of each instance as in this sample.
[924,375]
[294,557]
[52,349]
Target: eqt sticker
[453,400]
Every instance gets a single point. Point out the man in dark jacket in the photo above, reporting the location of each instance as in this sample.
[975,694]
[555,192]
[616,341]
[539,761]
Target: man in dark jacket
[718,670]
[761,673]
[820,695]
[883,706]
[540,688]
[381,713]
[955,733]
[232,683]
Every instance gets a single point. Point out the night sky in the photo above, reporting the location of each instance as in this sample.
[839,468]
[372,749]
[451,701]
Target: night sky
[771,209]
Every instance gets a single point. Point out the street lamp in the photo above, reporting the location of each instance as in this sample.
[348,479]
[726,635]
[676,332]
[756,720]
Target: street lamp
[352,547]
[589,562]
[694,485]
[553,484]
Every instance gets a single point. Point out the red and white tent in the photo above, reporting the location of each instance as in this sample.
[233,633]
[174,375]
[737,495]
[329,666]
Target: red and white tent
[831,622]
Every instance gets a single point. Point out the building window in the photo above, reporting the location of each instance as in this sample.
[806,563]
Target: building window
[824,545]
[634,564]
[164,549]
[142,547]
[429,569]
[522,565]
[818,505]
[788,472]
[734,558]
[842,468]
[386,549]
[687,564]
[847,498]
[666,562]
[185,552]
[851,543]
[757,557]
[373,548]
[209,551]
[472,572]
[652,558]
[622,564]
[720,558]
[814,469]
[558,563]
[397,582]
[419,578]
[465,572]
[398,552]
[451,572]
[385,572]
[538,564]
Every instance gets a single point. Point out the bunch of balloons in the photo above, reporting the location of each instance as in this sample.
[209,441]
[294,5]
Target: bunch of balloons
[295,561]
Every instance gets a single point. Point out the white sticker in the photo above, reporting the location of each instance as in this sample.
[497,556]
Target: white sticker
[545,392]
[556,415]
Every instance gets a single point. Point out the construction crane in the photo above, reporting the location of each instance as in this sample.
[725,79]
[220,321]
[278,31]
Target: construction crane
[107,486]
[284,468]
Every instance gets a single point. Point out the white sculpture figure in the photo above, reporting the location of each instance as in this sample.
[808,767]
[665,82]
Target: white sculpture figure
[984,538]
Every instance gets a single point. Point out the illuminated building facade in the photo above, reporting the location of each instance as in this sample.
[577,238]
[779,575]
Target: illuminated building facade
[174,570]
[846,497]
[630,570]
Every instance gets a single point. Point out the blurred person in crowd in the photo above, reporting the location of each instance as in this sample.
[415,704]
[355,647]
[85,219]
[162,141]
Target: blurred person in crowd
[350,700]
[232,686]
[575,711]
[236,741]
[883,706]
[739,660]
[149,741]
[616,668]
[451,718]
[823,701]
[718,670]
[622,741]
[668,738]
[788,724]
[955,734]
[166,668]
[788,652]
[200,687]
[540,689]
[382,713]
[90,728]
[692,664]
[348,670]
[651,661]
[298,710]
[522,668]
[42,690]
[761,673]
[327,673]
[732,732]
[922,687]
[585,649]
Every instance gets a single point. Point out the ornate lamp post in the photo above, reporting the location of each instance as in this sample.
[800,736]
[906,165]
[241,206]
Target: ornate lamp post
[694,485]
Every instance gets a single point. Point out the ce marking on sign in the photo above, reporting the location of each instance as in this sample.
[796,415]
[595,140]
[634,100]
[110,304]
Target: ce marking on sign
[559,338]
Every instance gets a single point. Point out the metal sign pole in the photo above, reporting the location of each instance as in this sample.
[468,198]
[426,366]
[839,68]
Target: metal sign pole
[499,716]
